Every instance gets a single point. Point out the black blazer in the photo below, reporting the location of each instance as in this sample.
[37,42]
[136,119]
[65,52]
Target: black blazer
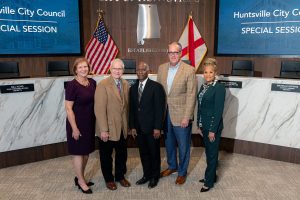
[148,114]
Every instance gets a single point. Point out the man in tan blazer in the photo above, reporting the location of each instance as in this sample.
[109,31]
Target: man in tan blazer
[111,110]
[179,82]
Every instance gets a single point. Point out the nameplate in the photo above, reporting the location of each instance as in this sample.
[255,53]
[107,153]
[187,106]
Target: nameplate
[231,84]
[285,87]
[17,88]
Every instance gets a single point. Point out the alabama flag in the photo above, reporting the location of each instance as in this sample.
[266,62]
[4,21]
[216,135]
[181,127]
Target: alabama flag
[193,45]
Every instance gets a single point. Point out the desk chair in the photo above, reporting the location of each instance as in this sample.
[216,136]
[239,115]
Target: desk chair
[290,69]
[187,62]
[130,66]
[9,69]
[242,68]
[58,68]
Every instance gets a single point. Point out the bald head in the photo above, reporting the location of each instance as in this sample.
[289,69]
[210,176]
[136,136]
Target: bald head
[176,45]
[143,64]
[142,71]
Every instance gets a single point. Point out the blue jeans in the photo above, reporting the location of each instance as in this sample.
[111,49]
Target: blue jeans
[176,135]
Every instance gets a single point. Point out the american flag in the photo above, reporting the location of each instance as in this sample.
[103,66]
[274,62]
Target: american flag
[101,50]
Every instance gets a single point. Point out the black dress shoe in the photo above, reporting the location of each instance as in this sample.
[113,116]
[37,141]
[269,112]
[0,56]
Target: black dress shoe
[88,191]
[203,180]
[142,181]
[153,183]
[203,189]
[88,184]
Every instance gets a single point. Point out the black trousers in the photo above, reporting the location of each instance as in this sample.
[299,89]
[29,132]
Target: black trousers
[149,149]
[106,160]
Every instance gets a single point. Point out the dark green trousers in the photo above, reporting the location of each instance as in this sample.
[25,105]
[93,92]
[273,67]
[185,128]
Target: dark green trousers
[212,154]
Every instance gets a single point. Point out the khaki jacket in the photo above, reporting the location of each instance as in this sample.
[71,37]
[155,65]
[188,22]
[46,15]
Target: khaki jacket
[182,96]
[111,109]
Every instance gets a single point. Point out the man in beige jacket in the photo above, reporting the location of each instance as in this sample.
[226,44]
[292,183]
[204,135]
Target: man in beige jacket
[179,82]
[111,110]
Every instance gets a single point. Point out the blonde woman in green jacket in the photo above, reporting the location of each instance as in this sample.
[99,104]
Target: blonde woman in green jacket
[211,99]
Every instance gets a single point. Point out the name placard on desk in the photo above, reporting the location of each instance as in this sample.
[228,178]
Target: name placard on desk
[285,87]
[17,88]
[232,84]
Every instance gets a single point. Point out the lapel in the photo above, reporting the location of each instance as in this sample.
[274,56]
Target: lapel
[209,90]
[115,89]
[201,88]
[164,76]
[123,90]
[177,75]
[145,90]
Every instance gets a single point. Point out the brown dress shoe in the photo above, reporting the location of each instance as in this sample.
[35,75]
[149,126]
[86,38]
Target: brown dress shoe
[111,185]
[124,183]
[167,172]
[180,180]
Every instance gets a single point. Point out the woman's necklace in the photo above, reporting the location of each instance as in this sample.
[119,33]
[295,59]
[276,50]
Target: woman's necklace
[84,82]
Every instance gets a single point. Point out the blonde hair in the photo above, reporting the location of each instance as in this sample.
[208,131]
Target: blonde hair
[210,62]
[77,62]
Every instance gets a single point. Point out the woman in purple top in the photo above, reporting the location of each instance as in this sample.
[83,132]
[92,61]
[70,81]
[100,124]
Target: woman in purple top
[79,105]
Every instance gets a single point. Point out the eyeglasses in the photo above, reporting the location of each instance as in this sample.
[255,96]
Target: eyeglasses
[173,53]
[117,69]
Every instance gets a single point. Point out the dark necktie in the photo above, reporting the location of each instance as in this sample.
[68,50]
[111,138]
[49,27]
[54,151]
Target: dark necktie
[140,91]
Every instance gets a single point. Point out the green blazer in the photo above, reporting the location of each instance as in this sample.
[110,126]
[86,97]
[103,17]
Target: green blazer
[211,108]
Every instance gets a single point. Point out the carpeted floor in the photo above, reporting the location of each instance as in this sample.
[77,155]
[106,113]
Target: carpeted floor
[240,177]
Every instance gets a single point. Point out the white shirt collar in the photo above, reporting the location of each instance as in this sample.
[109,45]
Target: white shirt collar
[144,81]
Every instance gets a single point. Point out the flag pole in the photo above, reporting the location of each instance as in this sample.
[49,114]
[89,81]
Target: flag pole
[100,13]
[100,17]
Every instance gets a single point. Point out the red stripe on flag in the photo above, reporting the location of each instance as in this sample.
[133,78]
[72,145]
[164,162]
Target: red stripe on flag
[191,45]
[95,52]
[101,49]
[109,57]
[89,43]
[197,44]
[104,59]
[184,51]
[114,55]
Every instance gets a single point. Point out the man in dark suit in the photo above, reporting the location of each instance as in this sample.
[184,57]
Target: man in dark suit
[146,114]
